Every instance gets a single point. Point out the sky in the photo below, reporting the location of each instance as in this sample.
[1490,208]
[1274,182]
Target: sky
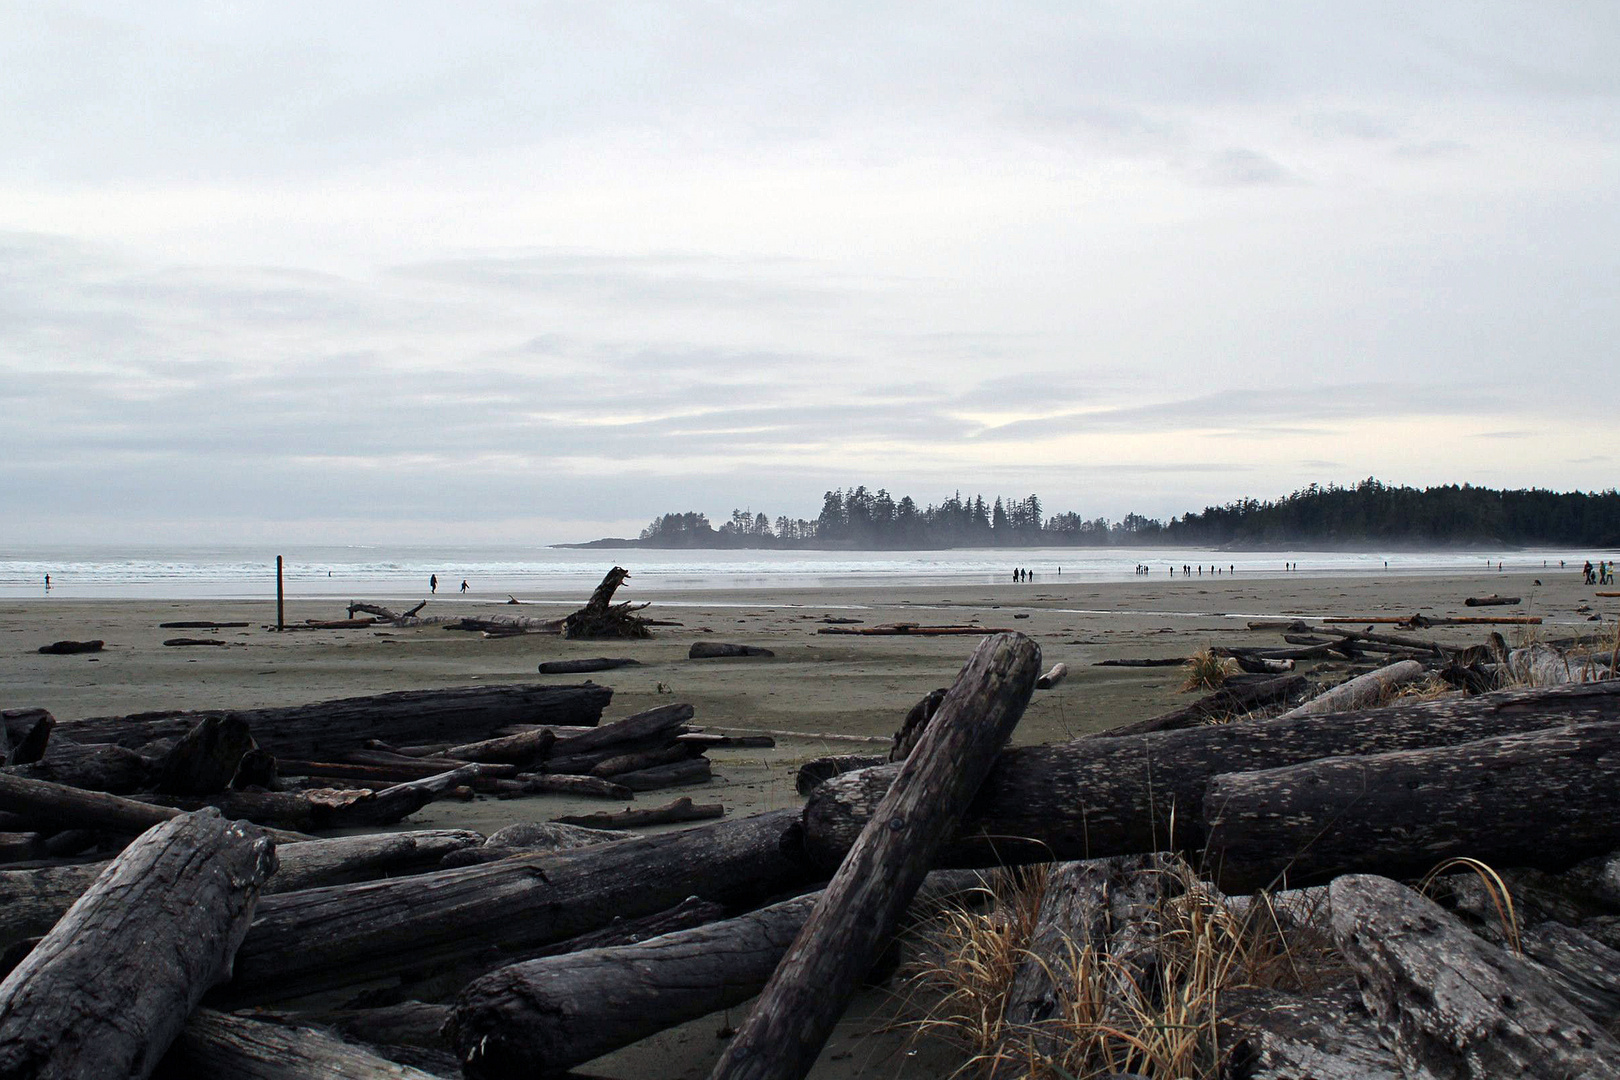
[540,271]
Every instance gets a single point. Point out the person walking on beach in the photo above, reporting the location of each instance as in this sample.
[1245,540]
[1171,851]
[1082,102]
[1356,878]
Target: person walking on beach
[433,583]
[47,583]
[463,584]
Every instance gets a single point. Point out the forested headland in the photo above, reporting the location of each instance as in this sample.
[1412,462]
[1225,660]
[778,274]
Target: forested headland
[1368,513]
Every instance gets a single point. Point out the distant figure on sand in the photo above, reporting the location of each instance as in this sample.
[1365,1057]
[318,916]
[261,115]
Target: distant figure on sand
[433,583]
[47,583]
[463,584]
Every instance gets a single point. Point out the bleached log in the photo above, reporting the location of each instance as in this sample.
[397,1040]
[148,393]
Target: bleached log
[1364,691]
[217,1044]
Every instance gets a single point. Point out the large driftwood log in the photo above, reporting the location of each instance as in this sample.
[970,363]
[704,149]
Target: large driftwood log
[585,667]
[591,787]
[652,723]
[107,990]
[1453,1005]
[24,734]
[320,809]
[219,1044]
[713,650]
[68,648]
[322,938]
[1324,1036]
[532,836]
[1584,969]
[1403,812]
[545,1016]
[1364,691]
[1114,796]
[814,772]
[681,809]
[1227,701]
[676,774]
[91,768]
[408,716]
[1542,665]
[70,808]
[864,901]
[31,901]
[548,1014]
[524,748]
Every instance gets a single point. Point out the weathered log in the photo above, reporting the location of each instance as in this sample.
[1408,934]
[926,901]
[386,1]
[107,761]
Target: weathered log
[107,990]
[681,809]
[711,650]
[1111,796]
[1453,1005]
[31,901]
[1228,700]
[866,897]
[1541,665]
[200,624]
[323,938]
[397,618]
[1327,1035]
[257,769]
[183,642]
[532,836]
[325,808]
[91,768]
[645,759]
[561,784]
[206,757]
[408,1023]
[652,722]
[585,667]
[27,732]
[703,740]
[1263,665]
[374,776]
[1158,661]
[21,846]
[407,716]
[340,624]
[1362,692]
[1490,601]
[1058,673]
[66,807]
[68,648]
[1401,813]
[544,1016]
[696,770]
[525,748]
[220,1044]
[814,772]
[1584,969]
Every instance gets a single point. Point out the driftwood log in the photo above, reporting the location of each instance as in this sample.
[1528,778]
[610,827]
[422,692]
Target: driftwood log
[532,836]
[1058,673]
[216,1044]
[814,772]
[863,903]
[1364,691]
[545,1016]
[677,774]
[713,650]
[1327,1035]
[31,901]
[205,759]
[323,938]
[591,787]
[407,716]
[585,667]
[1403,812]
[107,990]
[326,808]
[1113,796]
[1228,700]
[71,808]
[1490,601]
[68,648]
[24,734]
[1452,1004]
[653,723]
[682,809]
[113,769]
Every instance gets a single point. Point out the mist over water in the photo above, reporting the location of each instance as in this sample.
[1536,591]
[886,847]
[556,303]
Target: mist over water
[402,572]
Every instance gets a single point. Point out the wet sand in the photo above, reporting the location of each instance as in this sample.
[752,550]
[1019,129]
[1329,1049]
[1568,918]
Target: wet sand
[837,694]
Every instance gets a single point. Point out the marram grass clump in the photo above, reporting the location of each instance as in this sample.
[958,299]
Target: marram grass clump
[1206,671]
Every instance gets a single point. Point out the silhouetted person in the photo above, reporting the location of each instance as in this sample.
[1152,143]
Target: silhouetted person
[47,583]
[433,583]
[463,584]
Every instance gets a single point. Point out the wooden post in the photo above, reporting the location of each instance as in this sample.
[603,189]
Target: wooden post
[864,902]
[281,614]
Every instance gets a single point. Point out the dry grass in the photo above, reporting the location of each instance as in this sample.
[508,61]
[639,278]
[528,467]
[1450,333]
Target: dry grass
[1206,671]
[1500,896]
[1154,1011]
[1431,688]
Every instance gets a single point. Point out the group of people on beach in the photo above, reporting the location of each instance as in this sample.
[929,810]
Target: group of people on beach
[433,584]
[1188,569]
[1601,574]
[1021,575]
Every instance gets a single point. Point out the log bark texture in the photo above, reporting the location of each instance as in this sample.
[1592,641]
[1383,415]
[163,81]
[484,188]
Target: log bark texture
[1401,813]
[90,768]
[216,1044]
[1452,1005]
[107,990]
[206,757]
[1114,796]
[863,903]
[322,938]
[408,716]
[1324,1036]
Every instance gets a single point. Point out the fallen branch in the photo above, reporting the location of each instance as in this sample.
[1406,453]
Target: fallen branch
[681,809]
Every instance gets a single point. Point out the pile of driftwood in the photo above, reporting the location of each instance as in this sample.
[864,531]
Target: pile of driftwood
[529,963]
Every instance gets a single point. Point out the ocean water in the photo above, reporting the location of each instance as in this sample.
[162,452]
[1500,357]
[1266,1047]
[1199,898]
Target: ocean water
[384,572]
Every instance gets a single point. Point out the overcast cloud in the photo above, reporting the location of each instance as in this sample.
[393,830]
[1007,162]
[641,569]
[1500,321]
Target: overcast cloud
[543,271]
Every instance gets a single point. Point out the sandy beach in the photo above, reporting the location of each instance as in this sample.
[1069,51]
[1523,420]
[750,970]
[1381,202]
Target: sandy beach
[820,694]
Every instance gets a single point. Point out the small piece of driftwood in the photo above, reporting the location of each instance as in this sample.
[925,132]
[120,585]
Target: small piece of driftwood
[711,650]
[682,809]
[582,667]
[68,648]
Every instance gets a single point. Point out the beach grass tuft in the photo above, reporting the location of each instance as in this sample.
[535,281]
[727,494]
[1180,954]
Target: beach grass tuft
[1206,671]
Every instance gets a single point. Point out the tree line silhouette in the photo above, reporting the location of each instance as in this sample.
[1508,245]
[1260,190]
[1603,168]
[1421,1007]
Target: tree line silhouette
[1367,512]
